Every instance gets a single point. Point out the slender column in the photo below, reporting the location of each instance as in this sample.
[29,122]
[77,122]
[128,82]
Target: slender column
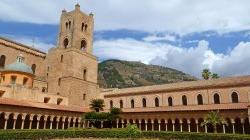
[37,124]
[101,124]
[224,130]
[139,124]
[14,124]
[233,128]
[57,124]
[242,123]
[159,126]
[153,125]
[181,126]
[44,124]
[166,123]
[5,124]
[189,129]
[197,126]
[122,122]
[146,125]
[30,123]
[117,123]
[50,126]
[173,122]
[205,128]
[22,126]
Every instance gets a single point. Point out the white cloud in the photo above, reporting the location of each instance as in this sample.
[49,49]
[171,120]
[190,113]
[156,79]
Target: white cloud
[180,16]
[189,60]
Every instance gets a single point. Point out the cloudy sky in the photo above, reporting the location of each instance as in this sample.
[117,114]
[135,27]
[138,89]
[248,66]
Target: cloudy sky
[188,35]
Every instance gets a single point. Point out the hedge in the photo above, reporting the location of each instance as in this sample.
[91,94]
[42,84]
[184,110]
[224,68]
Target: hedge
[114,133]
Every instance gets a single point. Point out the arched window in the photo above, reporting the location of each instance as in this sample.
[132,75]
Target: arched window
[65,43]
[199,99]
[184,100]
[121,104]
[69,24]
[235,98]
[132,103]
[61,58]
[59,82]
[144,102]
[33,67]
[2,61]
[170,101]
[66,24]
[85,74]
[82,26]
[86,27]
[216,98]
[156,102]
[111,104]
[83,45]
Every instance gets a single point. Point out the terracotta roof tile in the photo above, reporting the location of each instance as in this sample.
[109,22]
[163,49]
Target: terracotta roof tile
[23,103]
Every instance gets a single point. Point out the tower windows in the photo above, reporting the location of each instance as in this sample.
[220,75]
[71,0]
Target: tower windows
[33,67]
[235,98]
[65,43]
[84,97]
[59,82]
[156,102]
[66,24]
[82,26]
[216,98]
[61,59]
[199,99]
[184,100]
[85,74]
[86,27]
[69,24]
[83,45]
[170,101]
[2,61]
[144,102]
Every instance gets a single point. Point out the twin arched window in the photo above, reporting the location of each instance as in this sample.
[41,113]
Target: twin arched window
[144,102]
[157,102]
[111,104]
[121,104]
[2,61]
[170,101]
[199,99]
[184,100]
[234,97]
[132,103]
[216,98]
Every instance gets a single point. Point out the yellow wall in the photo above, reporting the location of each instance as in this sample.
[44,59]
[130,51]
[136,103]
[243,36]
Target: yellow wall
[19,79]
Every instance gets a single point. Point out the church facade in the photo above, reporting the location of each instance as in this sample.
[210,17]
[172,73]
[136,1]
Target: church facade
[53,90]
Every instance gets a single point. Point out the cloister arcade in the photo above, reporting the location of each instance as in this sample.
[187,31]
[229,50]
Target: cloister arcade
[10,120]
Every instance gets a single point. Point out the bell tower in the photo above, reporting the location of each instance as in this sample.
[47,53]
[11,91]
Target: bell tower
[76,30]
[72,68]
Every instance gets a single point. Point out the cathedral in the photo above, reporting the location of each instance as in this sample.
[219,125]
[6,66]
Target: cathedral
[52,90]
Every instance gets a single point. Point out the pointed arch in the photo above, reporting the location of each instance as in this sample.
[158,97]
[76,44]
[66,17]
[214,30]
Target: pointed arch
[234,97]
[199,99]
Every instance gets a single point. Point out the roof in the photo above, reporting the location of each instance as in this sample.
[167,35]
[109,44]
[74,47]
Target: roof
[230,106]
[22,47]
[190,85]
[25,103]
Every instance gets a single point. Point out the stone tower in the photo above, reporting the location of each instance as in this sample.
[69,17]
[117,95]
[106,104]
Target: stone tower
[72,68]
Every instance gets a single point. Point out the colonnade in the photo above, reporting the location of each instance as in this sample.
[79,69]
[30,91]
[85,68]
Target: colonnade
[237,125]
[9,120]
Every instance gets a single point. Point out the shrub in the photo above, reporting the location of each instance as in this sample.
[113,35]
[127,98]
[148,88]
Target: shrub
[133,130]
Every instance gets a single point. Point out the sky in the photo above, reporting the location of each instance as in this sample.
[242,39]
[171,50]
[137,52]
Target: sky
[188,35]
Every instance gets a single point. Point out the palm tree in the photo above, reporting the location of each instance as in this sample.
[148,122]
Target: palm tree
[215,76]
[206,74]
[214,119]
[97,104]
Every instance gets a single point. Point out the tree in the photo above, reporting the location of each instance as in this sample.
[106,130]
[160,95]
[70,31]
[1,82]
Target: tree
[114,113]
[206,74]
[215,76]
[97,104]
[214,119]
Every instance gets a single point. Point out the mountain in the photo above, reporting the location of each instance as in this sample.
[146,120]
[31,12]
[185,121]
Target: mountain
[123,74]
